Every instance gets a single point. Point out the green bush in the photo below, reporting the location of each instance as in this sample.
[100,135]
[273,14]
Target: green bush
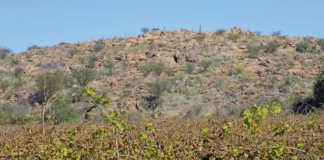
[62,109]
[302,46]
[205,64]
[321,43]
[49,83]
[156,68]
[254,50]
[155,89]
[234,37]
[99,46]
[190,68]
[220,32]
[92,61]
[18,72]
[271,47]
[110,66]
[33,47]
[199,37]
[4,52]
[318,90]
[13,114]
[4,84]
[83,76]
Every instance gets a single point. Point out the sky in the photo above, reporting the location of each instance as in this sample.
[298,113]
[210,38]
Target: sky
[49,22]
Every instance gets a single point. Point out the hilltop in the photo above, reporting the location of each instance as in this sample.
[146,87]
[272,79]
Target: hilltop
[175,74]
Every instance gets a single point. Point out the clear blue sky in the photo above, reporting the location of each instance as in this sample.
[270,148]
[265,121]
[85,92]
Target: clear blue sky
[48,22]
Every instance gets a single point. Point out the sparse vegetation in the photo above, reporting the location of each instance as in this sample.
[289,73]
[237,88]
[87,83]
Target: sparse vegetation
[302,46]
[99,46]
[83,76]
[4,52]
[271,47]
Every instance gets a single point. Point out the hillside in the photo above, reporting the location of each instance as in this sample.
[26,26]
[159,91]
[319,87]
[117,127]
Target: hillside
[175,74]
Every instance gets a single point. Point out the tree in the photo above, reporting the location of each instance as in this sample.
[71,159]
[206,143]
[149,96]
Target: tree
[83,76]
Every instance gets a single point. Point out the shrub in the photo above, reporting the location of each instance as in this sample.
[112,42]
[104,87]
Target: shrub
[220,32]
[99,46]
[321,43]
[4,52]
[254,50]
[190,68]
[318,90]
[234,37]
[49,83]
[83,76]
[33,47]
[63,110]
[205,64]
[72,52]
[199,37]
[92,61]
[271,47]
[302,46]
[110,66]
[156,68]
[5,84]
[18,72]
[155,89]
[12,114]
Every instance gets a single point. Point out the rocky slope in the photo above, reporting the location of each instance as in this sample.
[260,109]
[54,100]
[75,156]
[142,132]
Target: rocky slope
[208,73]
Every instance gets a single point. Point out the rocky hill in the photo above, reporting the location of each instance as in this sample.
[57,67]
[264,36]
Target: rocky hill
[174,74]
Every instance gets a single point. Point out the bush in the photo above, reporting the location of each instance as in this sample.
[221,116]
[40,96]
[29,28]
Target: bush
[220,32]
[4,52]
[33,47]
[99,46]
[205,64]
[12,114]
[276,33]
[156,68]
[254,50]
[199,37]
[234,37]
[5,84]
[190,68]
[155,89]
[302,46]
[92,61]
[83,76]
[110,66]
[304,106]
[271,47]
[63,110]
[48,84]
[321,43]
[18,72]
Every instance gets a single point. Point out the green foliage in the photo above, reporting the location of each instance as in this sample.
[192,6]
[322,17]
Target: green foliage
[302,46]
[271,47]
[110,66]
[156,89]
[254,50]
[73,52]
[83,76]
[33,47]
[321,43]
[12,114]
[4,84]
[255,116]
[318,90]
[49,83]
[199,37]
[18,72]
[62,109]
[190,68]
[220,32]
[91,61]
[234,37]
[4,52]
[156,68]
[205,64]
[100,45]
[96,97]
